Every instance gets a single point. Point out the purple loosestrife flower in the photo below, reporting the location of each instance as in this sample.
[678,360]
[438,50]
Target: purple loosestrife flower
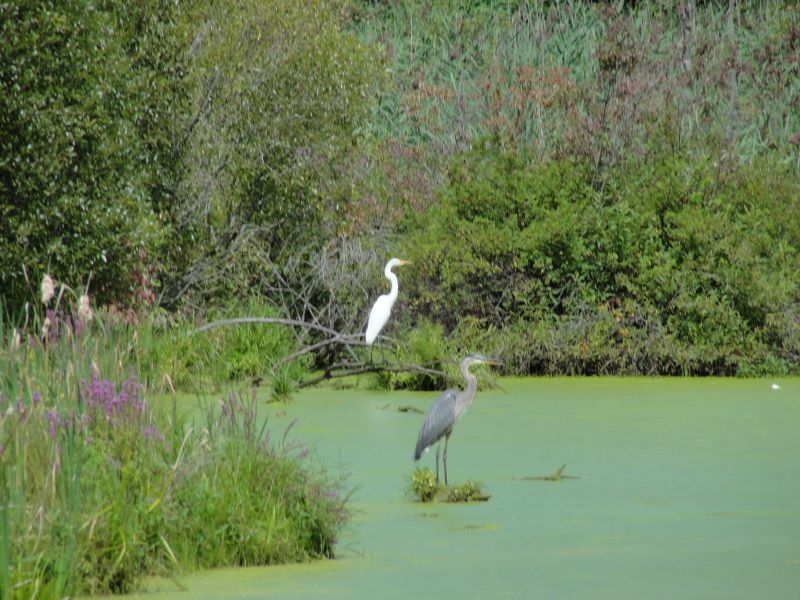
[53,422]
[36,397]
[152,433]
[132,390]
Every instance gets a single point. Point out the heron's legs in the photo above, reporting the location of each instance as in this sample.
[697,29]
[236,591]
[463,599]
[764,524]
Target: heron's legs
[444,456]
[437,464]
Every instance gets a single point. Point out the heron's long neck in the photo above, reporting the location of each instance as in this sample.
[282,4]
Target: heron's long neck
[393,278]
[472,382]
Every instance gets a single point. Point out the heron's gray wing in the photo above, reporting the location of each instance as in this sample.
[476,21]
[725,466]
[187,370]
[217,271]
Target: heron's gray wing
[438,421]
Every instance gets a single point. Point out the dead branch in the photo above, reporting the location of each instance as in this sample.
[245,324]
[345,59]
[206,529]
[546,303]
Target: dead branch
[347,340]
[360,368]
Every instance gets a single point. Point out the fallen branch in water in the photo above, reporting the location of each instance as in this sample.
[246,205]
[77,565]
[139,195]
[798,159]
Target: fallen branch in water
[359,368]
[557,476]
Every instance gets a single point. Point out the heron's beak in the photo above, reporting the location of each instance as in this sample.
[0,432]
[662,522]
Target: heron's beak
[493,361]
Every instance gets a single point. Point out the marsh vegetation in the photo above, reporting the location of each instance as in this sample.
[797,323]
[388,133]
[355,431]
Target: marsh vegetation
[582,188]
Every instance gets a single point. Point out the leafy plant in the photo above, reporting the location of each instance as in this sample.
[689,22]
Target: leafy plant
[663,269]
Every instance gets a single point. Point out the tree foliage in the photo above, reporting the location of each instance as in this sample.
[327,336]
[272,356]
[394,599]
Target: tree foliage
[77,92]
[279,92]
[673,266]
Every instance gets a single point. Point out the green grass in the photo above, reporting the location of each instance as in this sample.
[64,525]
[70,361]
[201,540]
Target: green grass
[103,482]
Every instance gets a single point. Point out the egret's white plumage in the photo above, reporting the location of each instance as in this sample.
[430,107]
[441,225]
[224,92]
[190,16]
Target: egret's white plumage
[382,308]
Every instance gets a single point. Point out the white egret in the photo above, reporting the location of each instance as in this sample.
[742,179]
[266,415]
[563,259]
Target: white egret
[382,308]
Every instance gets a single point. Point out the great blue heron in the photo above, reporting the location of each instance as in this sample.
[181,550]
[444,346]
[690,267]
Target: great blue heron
[449,407]
[382,308]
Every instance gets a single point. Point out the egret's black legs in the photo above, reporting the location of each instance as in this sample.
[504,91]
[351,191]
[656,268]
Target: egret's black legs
[371,350]
[383,358]
[444,457]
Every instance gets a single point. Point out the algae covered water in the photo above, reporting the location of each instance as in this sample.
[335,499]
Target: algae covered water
[679,488]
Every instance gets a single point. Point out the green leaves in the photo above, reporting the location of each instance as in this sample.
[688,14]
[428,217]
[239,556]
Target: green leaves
[75,163]
[672,267]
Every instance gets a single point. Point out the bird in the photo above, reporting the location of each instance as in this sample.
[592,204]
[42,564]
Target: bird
[449,407]
[379,314]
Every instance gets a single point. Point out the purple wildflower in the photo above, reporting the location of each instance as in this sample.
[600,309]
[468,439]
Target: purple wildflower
[36,397]
[152,433]
[132,391]
[53,422]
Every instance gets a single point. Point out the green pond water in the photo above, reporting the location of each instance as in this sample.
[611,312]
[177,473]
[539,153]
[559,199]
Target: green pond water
[685,488]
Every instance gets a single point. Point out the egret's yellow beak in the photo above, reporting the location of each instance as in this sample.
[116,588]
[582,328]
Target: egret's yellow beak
[405,262]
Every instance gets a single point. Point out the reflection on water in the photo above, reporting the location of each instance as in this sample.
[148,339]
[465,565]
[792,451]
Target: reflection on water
[682,488]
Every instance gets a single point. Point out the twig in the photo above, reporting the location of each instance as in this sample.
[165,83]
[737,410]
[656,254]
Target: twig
[361,368]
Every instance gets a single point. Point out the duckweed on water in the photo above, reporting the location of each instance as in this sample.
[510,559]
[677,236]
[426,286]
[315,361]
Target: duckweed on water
[425,489]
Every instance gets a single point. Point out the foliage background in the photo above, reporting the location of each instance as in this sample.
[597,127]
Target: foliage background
[585,187]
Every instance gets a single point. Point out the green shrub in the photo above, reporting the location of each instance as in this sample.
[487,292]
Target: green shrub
[425,345]
[80,100]
[278,93]
[170,353]
[673,266]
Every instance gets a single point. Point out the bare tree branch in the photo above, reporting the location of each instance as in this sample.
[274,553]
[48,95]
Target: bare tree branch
[347,340]
[349,369]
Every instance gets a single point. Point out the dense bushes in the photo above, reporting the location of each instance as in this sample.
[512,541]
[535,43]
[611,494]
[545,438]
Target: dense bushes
[187,154]
[674,266]
[278,92]
[190,146]
[74,158]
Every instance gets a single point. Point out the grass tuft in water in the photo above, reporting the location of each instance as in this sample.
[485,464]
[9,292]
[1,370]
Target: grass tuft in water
[425,489]
[423,484]
[469,491]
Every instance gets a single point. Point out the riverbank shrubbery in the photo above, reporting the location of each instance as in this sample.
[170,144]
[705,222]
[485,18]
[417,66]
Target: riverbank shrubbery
[103,482]
[677,264]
